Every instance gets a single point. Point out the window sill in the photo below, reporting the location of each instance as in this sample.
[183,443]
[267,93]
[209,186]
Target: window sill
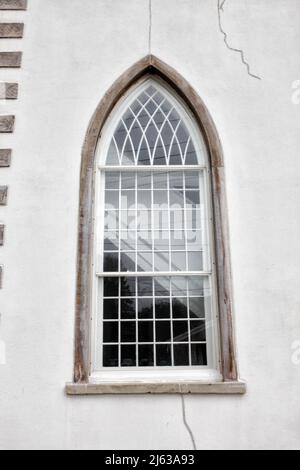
[114,388]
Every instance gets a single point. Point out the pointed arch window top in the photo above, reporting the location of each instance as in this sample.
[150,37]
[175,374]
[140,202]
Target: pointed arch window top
[154,130]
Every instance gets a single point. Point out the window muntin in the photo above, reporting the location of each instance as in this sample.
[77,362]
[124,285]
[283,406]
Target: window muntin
[155,280]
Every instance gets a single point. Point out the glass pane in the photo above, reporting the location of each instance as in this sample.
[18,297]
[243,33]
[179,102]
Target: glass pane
[161,221]
[162,261]
[162,287]
[161,199]
[179,286]
[179,307]
[181,355]
[176,180]
[176,199]
[144,199]
[160,180]
[145,241]
[195,261]
[145,287]
[111,241]
[112,180]
[196,287]
[192,199]
[128,309]
[145,331]
[128,332]
[112,200]
[198,331]
[111,262]
[144,220]
[161,241]
[128,356]
[128,180]
[128,241]
[110,332]
[128,200]
[111,309]
[178,240]
[110,356]
[111,287]
[199,355]
[128,286]
[128,262]
[163,355]
[179,261]
[192,180]
[146,355]
[144,180]
[162,309]
[181,331]
[145,262]
[197,307]
[163,331]
[145,308]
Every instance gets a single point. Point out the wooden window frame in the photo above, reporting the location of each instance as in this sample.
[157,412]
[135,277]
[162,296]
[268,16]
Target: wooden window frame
[81,385]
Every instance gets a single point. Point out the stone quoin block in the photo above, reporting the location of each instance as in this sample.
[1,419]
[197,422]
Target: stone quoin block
[7,124]
[11,30]
[2,228]
[3,195]
[13,4]
[8,91]
[5,158]
[10,59]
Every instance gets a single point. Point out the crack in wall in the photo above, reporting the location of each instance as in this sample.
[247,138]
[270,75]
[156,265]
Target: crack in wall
[187,426]
[150,27]
[221,4]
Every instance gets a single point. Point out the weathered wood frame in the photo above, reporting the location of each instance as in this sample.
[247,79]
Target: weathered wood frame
[151,65]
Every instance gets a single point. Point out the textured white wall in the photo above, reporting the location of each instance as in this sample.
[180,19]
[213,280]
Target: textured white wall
[73,52]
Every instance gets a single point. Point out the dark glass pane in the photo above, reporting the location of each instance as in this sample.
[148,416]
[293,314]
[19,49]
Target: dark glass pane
[128,309]
[112,180]
[111,309]
[182,136]
[159,119]
[160,180]
[199,355]
[180,308]
[145,308]
[192,180]
[192,198]
[128,262]
[111,241]
[167,135]
[163,355]
[145,287]
[174,119]
[179,286]
[163,331]
[136,136]
[145,332]
[128,180]
[128,356]
[128,155]
[110,356]
[120,136]
[151,107]
[162,287]
[151,136]
[128,287]
[111,287]
[128,119]
[128,332]
[198,331]
[197,307]
[180,331]
[181,355]
[162,308]
[111,262]
[144,180]
[146,356]
[110,332]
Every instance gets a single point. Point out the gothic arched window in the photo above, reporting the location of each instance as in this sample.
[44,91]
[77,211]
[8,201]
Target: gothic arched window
[155,311]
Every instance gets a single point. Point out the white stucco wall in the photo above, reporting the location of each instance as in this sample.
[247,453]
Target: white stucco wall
[73,52]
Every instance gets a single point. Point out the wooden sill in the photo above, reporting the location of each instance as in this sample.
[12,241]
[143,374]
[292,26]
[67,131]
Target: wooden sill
[114,388]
